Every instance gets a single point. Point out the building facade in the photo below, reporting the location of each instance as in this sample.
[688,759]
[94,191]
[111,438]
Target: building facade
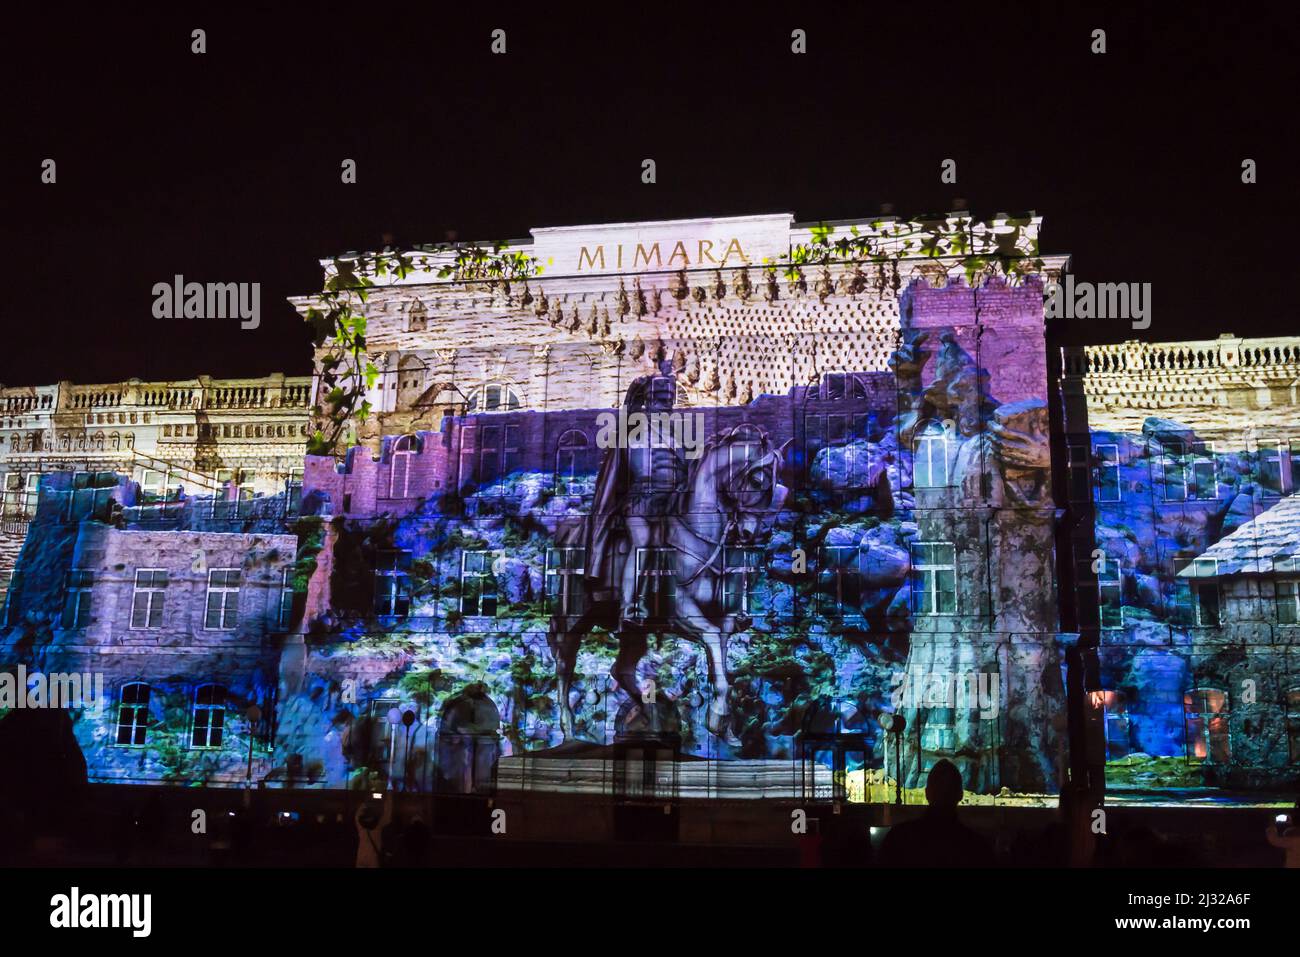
[844,510]
[196,434]
[776,532]
[1181,469]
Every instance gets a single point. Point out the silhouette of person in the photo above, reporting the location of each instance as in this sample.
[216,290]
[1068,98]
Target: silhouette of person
[371,821]
[1287,838]
[937,838]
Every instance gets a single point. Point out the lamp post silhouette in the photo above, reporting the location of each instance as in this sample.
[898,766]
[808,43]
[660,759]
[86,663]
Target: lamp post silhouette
[895,724]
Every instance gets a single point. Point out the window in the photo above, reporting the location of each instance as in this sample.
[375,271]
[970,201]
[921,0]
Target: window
[157,486]
[1110,591]
[573,464]
[1118,730]
[147,599]
[223,599]
[1205,716]
[838,593]
[657,574]
[209,716]
[399,475]
[13,495]
[934,578]
[842,385]
[739,576]
[76,608]
[492,397]
[284,613]
[1279,466]
[742,454]
[1293,725]
[1287,592]
[1202,472]
[478,584]
[1198,592]
[1079,474]
[244,481]
[1189,472]
[498,450]
[133,714]
[930,458]
[1108,484]
[293,489]
[844,464]
[6,580]
[393,583]
[564,570]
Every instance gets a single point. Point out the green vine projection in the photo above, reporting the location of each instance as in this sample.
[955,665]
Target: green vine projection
[1001,246]
[346,373]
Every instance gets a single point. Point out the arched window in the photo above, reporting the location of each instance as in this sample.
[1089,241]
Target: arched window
[130,440]
[115,442]
[209,717]
[65,442]
[1205,714]
[133,714]
[468,743]
[573,463]
[98,443]
[493,397]
[399,476]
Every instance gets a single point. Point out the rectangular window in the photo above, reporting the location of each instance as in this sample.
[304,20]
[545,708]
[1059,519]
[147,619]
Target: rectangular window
[1108,483]
[835,456]
[1286,590]
[393,583]
[1198,592]
[1079,470]
[739,578]
[284,614]
[1202,472]
[564,570]
[209,717]
[934,578]
[498,455]
[133,714]
[76,608]
[32,494]
[1173,472]
[1110,591]
[147,598]
[478,584]
[837,572]
[930,460]
[223,599]
[657,574]
[13,495]
[1271,462]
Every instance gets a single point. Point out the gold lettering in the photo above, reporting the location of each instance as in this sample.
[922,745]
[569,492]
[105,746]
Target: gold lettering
[643,255]
[706,245]
[735,244]
[583,253]
[679,250]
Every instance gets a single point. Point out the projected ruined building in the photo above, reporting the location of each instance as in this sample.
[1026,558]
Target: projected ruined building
[843,506]
[1182,464]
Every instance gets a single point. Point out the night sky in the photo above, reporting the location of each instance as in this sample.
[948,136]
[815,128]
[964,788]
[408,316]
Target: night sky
[224,167]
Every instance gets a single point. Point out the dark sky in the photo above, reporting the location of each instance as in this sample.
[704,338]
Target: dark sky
[225,167]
